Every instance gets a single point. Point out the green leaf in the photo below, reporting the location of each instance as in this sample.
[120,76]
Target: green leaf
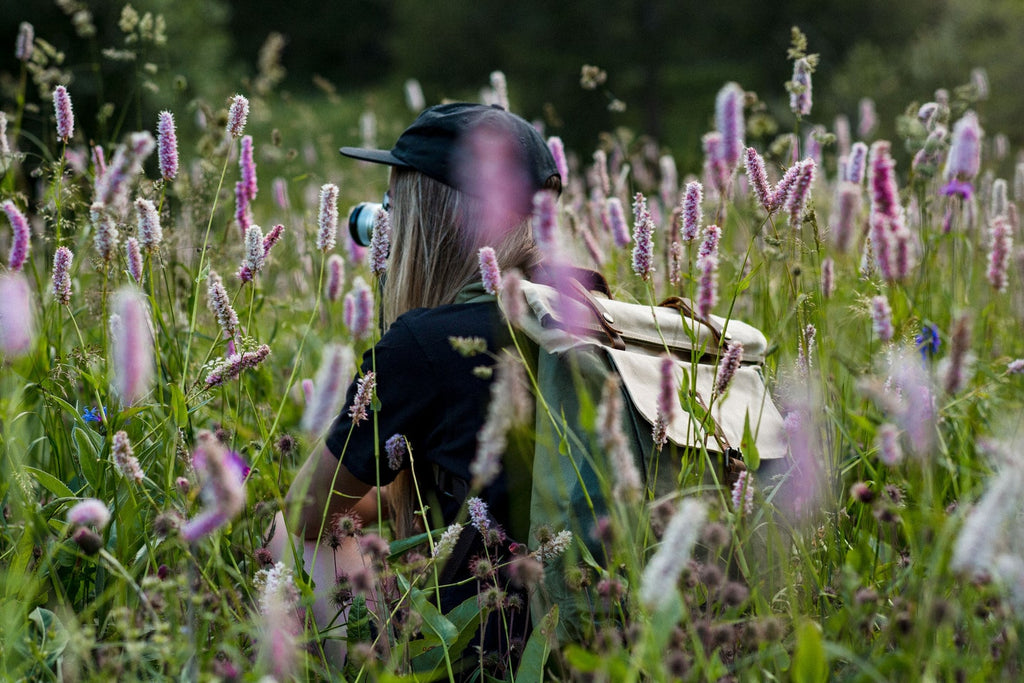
[50,482]
[53,637]
[402,545]
[748,446]
[433,619]
[179,408]
[535,654]
[465,618]
[809,662]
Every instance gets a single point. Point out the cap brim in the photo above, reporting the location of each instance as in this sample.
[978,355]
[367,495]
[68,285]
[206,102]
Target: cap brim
[377,156]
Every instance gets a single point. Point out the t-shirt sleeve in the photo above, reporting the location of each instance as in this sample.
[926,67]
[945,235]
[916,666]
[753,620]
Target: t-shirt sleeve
[407,398]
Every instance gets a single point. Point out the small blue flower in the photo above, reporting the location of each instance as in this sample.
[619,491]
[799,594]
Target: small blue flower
[928,341]
[93,414]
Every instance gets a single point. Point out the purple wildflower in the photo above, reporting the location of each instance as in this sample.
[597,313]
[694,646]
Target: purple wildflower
[358,309]
[692,212]
[868,117]
[21,238]
[131,346]
[643,239]
[272,238]
[489,270]
[327,393]
[62,110]
[380,243]
[1001,236]
[150,232]
[167,146]
[669,186]
[105,232]
[89,512]
[887,439]
[25,43]
[730,363]
[743,494]
[62,275]
[847,208]
[255,254]
[758,178]
[667,401]
[545,222]
[617,222]
[99,162]
[232,366]
[716,168]
[395,447]
[280,190]
[783,187]
[335,277]
[247,166]
[365,388]
[800,88]
[709,245]
[223,481]
[964,157]
[478,514]
[237,115]
[856,165]
[612,440]
[729,122]
[707,286]
[328,218]
[799,192]
[959,344]
[828,280]
[881,318]
[1015,367]
[601,172]
[133,256]
[511,296]
[661,574]
[243,213]
[558,152]
[220,305]
[675,264]
[124,458]
[17,315]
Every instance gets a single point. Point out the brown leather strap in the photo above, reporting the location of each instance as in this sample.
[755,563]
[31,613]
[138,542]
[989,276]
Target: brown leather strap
[580,293]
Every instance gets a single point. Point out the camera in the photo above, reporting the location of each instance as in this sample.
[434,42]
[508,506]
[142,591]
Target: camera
[361,220]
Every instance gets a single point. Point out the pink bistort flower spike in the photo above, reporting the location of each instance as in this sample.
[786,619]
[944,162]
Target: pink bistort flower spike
[380,243]
[62,275]
[661,575]
[612,438]
[133,258]
[730,363]
[395,447]
[617,222]
[150,232]
[328,388]
[881,318]
[882,179]
[558,152]
[668,399]
[1015,367]
[254,254]
[707,286]
[62,111]
[25,43]
[1001,237]
[220,305]
[243,214]
[828,279]
[232,366]
[545,221]
[643,239]
[17,315]
[758,177]
[668,188]
[489,271]
[238,113]
[729,122]
[604,185]
[327,234]
[280,191]
[223,481]
[964,158]
[800,192]
[358,309]
[272,238]
[887,440]
[956,363]
[89,512]
[691,211]
[847,208]
[743,494]
[167,146]
[131,339]
[105,232]
[365,389]
[124,457]
[21,238]
[335,277]
[856,164]
[479,516]
[247,167]
[800,88]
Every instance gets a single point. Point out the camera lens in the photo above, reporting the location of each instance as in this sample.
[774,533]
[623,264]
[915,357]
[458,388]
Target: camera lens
[360,222]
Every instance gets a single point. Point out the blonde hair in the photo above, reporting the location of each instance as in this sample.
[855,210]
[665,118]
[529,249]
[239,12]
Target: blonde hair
[435,240]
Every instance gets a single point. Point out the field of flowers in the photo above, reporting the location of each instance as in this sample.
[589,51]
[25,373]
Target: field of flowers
[177,323]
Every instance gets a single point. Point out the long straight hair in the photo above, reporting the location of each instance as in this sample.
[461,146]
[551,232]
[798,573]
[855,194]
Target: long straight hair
[435,239]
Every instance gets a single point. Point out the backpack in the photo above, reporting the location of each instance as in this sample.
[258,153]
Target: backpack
[581,336]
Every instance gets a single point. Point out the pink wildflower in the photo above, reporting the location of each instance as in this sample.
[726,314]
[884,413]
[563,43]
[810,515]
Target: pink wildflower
[395,448]
[511,296]
[758,178]
[558,152]
[62,275]
[887,439]
[223,481]
[150,233]
[238,113]
[643,239]
[692,212]
[675,265]
[601,169]
[1001,236]
[545,222]
[1015,367]
[17,315]
[255,254]
[707,286]
[729,122]
[856,165]
[667,401]
[479,516]
[328,388]
[868,117]
[89,512]
[167,146]
[709,245]
[612,439]
[964,158]
[661,574]
[716,168]
[105,232]
[21,238]
[62,110]
[335,277]
[243,213]
[380,243]
[124,457]
[798,195]
[358,309]
[133,257]
[247,166]
[847,208]
[220,305]
[617,222]
[366,386]
[881,318]
[131,346]
[743,494]
[828,281]
[232,366]
[783,187]
[800,88]
[328,218]
[272,238]
[728,366]
[280,190]
[489,270]
[25,43]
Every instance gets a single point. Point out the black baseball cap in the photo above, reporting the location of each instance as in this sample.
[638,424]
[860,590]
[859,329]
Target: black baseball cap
[431,145]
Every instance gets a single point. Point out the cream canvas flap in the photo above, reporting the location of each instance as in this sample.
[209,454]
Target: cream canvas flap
[559,323]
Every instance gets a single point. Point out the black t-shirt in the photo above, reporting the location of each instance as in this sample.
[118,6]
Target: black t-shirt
[429,393]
